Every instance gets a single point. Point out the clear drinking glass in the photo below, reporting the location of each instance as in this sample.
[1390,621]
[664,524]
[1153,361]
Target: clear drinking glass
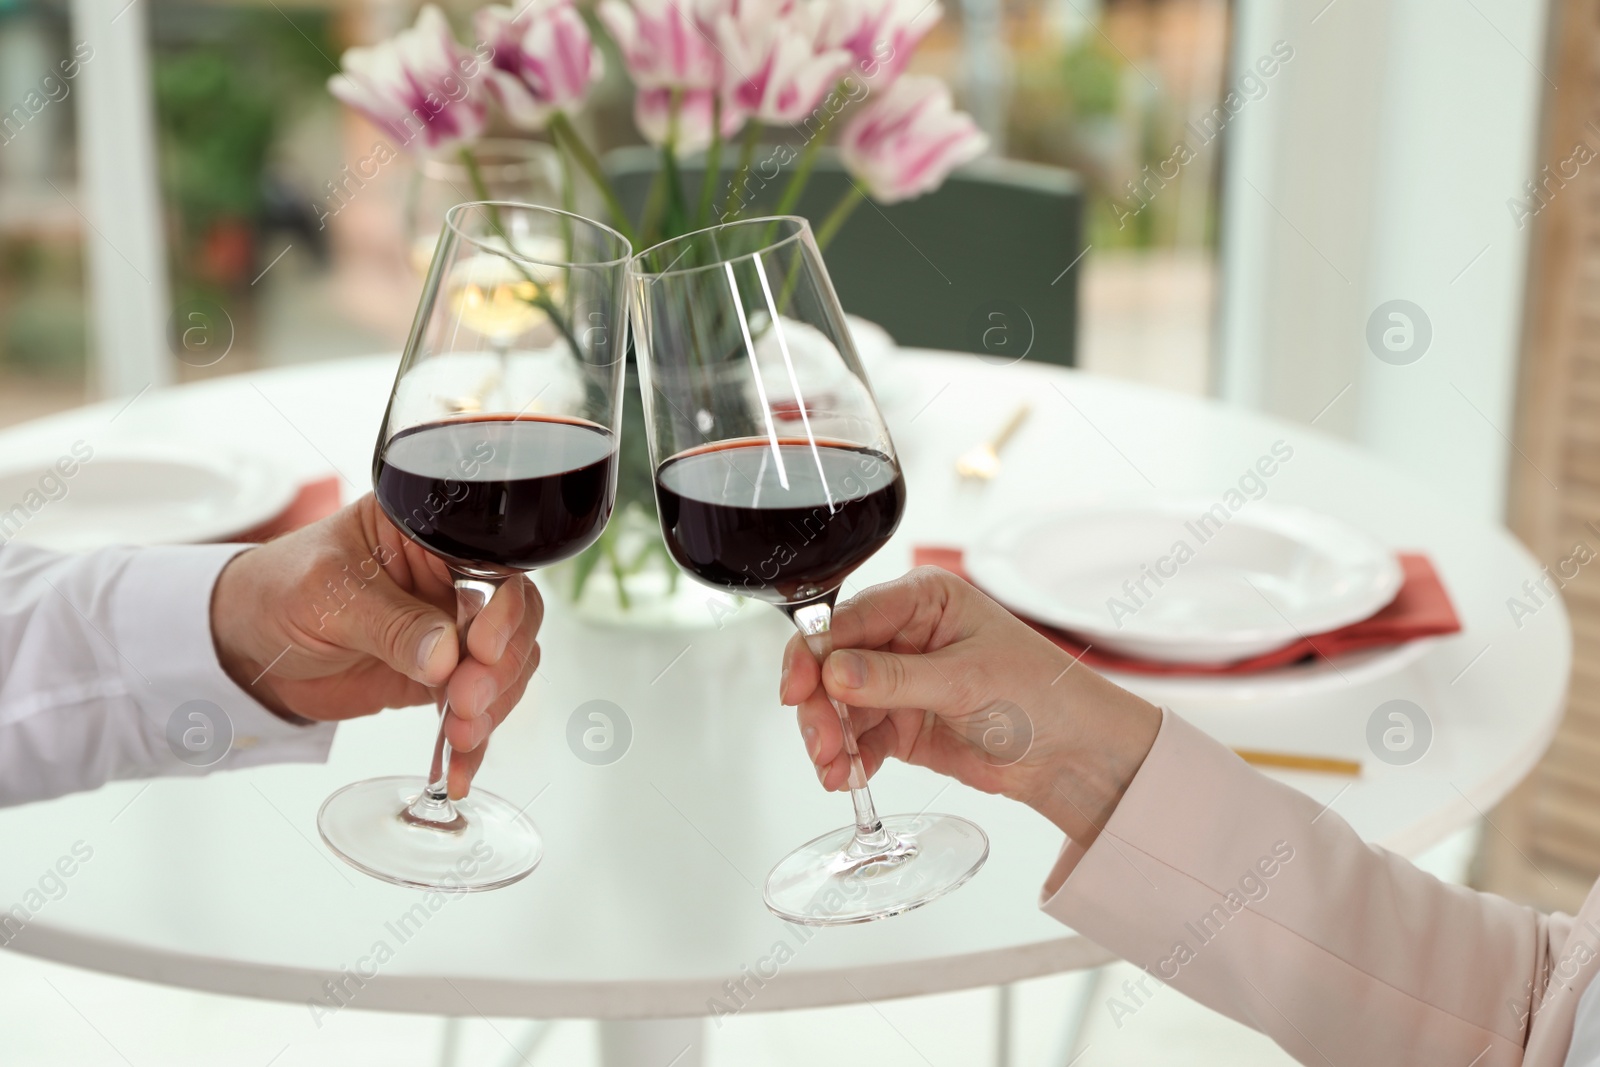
[498,455]
[775,478]
[526,172]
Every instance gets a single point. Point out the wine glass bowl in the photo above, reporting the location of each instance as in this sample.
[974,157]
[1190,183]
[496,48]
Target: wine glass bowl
[731,520]
[497,454]
[775,478]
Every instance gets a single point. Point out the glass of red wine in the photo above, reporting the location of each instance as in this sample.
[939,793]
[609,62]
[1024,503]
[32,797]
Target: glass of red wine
[775,478]
[497,454]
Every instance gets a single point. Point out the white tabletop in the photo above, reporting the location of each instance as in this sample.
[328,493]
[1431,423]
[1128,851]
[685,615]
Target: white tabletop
[649,900]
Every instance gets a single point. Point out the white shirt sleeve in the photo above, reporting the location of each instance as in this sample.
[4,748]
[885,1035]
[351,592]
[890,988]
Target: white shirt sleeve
[105,661]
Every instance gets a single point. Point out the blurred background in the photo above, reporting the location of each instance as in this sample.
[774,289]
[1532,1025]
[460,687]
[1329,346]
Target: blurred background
[250,148]
[1241,230]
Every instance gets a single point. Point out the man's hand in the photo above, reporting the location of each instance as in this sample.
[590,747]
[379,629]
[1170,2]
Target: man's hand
[347,617]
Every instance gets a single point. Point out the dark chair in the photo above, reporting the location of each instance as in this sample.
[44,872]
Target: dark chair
[981,265]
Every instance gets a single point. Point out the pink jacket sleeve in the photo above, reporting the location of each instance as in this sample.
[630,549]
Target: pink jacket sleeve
[1247,896]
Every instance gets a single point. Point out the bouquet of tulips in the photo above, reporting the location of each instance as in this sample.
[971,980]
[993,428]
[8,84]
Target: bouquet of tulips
[707,74]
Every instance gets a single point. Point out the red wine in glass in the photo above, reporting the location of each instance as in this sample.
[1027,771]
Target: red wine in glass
[783,520]
[513,492]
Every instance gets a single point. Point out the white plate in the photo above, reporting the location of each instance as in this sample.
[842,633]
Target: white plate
[1246,691]
[1251,581]
[880,359]
[140,496]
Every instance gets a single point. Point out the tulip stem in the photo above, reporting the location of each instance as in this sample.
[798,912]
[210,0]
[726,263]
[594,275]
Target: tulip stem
[836,218]
[475,175]
[713,168]
[741,173]
[802,171]
[569,191]
[540,298]
[569,184]
[677,211]
[650,220]
[568,138]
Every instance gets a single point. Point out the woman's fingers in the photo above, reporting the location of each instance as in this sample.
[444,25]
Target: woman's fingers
[870,678]
[819,728]
[923,610]
[875,744]
[908,608]
[908,614]
[823,734]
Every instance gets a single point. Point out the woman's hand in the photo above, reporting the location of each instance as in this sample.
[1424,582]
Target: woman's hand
[937,674]
[348,616]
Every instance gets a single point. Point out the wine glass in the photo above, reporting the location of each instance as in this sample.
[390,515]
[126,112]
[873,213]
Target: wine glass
[528,172]
[775,478]
[507,169]
[495,473]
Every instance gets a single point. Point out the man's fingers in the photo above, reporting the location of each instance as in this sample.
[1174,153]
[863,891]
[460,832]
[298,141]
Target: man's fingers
[463,766]
[514,608]
[801,673]
[504,649]
[475,685]
[412,637]
[469,736]
[477,689]
[504,653]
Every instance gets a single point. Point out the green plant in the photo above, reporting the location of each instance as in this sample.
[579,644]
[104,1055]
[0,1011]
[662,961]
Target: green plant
[1093,77]
[43,328]
[216,128]
[225,86]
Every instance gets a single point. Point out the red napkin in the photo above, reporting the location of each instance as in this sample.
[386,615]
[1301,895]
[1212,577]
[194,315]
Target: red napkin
[315,500]
[1422,608]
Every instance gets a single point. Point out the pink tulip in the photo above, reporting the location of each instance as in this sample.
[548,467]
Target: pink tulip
[666,43]
[774,68]
[652,114]
[908,138]
[879,34]
[421,86]
[543,59]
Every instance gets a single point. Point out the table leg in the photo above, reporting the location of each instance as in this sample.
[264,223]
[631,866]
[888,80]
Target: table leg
[1005,1011]
[449,1041]
[1072,1040]
[653,1043]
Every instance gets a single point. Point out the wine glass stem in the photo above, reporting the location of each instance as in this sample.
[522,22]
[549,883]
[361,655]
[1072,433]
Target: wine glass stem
[815,621]
[432,807]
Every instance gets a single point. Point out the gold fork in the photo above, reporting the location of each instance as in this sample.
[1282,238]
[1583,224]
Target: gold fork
[982,461]
[1288,761]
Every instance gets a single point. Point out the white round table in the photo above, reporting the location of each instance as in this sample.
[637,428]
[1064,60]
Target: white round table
[648,903]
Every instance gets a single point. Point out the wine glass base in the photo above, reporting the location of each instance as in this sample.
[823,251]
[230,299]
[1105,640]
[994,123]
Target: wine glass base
[820,884]
[494,846]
